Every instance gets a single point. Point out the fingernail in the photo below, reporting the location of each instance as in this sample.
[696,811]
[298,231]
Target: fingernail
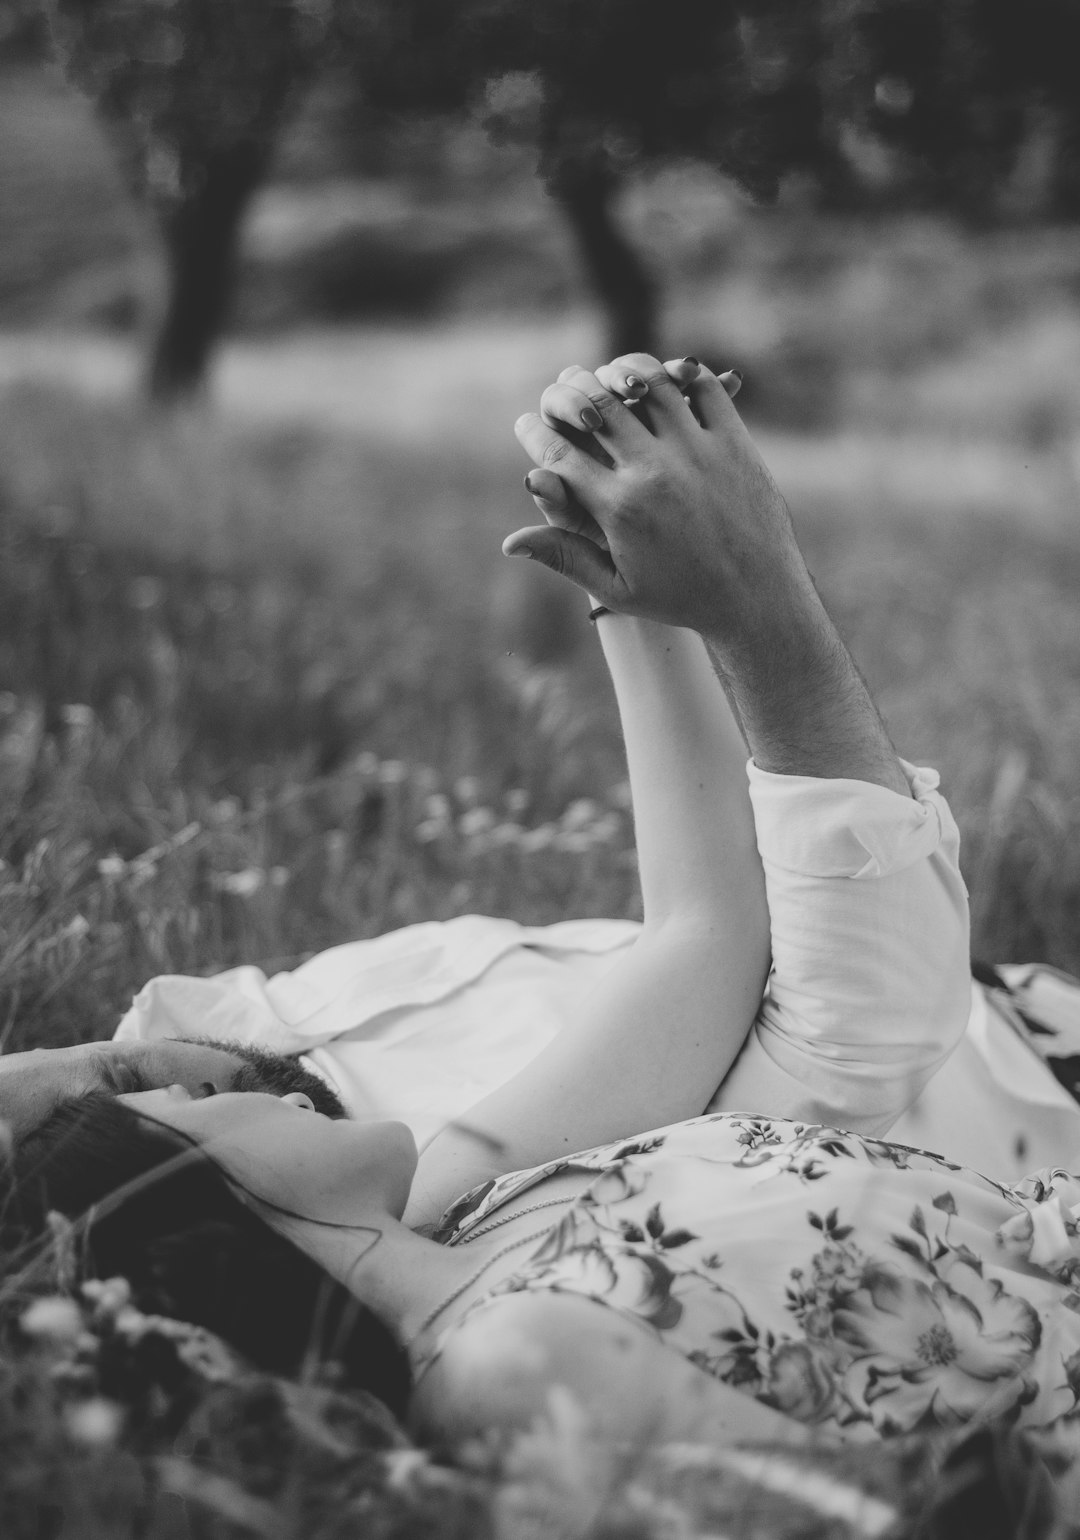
[737,373]
[528,481]
[635,382]
[695,361]
[592,419]
[521,550]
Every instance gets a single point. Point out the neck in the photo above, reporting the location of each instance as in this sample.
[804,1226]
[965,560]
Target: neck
[399,1275]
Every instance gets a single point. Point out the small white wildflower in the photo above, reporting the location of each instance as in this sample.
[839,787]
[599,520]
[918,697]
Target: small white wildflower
[130,1323]
[77,717]
[95,1423]
[517,800]
[392,772]
[437,806]
[240,884]
[111,867]
[430,829]
[605,831]
[402,1466]
[581,812]
[538,839]
[467,790]
[478,820]
[108,1295]
[55,1318]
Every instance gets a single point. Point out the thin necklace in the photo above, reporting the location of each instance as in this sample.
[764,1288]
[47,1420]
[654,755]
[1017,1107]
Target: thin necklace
[488,1225]
[475,1278]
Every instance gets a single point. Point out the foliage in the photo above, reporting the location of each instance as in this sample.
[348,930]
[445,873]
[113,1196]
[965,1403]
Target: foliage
[963,90]
[182,81]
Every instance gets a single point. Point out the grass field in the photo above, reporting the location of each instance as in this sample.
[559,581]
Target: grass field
[266,685]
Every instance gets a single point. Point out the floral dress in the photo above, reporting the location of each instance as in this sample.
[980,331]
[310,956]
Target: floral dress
[861,1286]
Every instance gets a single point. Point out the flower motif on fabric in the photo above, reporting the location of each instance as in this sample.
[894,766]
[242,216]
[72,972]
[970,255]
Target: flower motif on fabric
[937,1351]
[637,1283]
[1046,1233]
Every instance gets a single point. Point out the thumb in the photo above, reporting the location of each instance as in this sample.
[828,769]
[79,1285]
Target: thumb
[572,556]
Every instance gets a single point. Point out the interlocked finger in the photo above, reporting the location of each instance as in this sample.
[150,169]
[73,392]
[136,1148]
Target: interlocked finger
[622,382]
[564,405]
[619,432]
[710,396]
[662,396]
[551,450]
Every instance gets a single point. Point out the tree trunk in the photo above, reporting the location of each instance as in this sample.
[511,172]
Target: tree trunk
[620,280]
[201,238]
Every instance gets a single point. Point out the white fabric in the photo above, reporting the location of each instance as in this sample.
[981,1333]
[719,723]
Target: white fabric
[867,905]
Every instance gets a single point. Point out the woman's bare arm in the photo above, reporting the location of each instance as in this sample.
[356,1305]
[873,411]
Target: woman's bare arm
[515,1364]
[654,1038]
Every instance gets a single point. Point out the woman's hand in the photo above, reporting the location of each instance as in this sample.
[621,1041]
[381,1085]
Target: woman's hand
[562,408]
[689,528]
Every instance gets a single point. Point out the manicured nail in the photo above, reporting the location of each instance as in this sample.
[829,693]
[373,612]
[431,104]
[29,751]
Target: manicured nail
[592,419]
[521,550]
[695,361]
[528,482]
[635,382]
[737,373]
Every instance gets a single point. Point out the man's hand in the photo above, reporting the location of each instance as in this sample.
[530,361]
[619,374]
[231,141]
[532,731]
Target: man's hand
[671,515]
[696,533]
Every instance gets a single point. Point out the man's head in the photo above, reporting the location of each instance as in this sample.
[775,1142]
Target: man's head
[32,1084]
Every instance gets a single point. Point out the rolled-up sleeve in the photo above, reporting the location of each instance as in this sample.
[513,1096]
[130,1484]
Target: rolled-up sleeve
[870,985]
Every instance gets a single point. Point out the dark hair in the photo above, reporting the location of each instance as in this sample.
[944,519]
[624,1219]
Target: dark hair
[189,1246]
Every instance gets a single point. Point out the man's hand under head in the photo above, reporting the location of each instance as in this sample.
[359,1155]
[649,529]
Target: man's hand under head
[671,515]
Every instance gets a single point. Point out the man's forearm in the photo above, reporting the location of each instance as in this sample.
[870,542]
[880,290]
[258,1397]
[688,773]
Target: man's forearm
[800,700]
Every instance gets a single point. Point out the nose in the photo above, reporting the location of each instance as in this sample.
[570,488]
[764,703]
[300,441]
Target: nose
[299,1099]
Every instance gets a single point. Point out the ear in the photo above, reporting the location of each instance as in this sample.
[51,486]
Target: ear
[299,1099]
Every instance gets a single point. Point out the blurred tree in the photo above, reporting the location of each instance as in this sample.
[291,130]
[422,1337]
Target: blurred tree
[616,86]
[962,92]
[193,92]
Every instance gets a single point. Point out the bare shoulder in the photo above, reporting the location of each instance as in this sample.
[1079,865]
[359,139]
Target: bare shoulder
[512,1361]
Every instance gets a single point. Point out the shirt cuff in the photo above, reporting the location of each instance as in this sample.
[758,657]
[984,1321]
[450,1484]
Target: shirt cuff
[848,828]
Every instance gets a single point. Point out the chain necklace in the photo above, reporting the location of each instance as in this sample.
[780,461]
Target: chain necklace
[488,1225]
[475,1278]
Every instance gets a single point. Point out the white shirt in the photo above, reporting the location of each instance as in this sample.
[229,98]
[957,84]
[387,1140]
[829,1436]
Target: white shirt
[870,1019]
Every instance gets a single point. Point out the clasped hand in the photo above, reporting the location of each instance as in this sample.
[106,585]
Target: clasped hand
[663,508]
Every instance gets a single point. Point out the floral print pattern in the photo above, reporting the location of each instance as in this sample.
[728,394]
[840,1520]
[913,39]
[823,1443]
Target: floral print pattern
[865,1287]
